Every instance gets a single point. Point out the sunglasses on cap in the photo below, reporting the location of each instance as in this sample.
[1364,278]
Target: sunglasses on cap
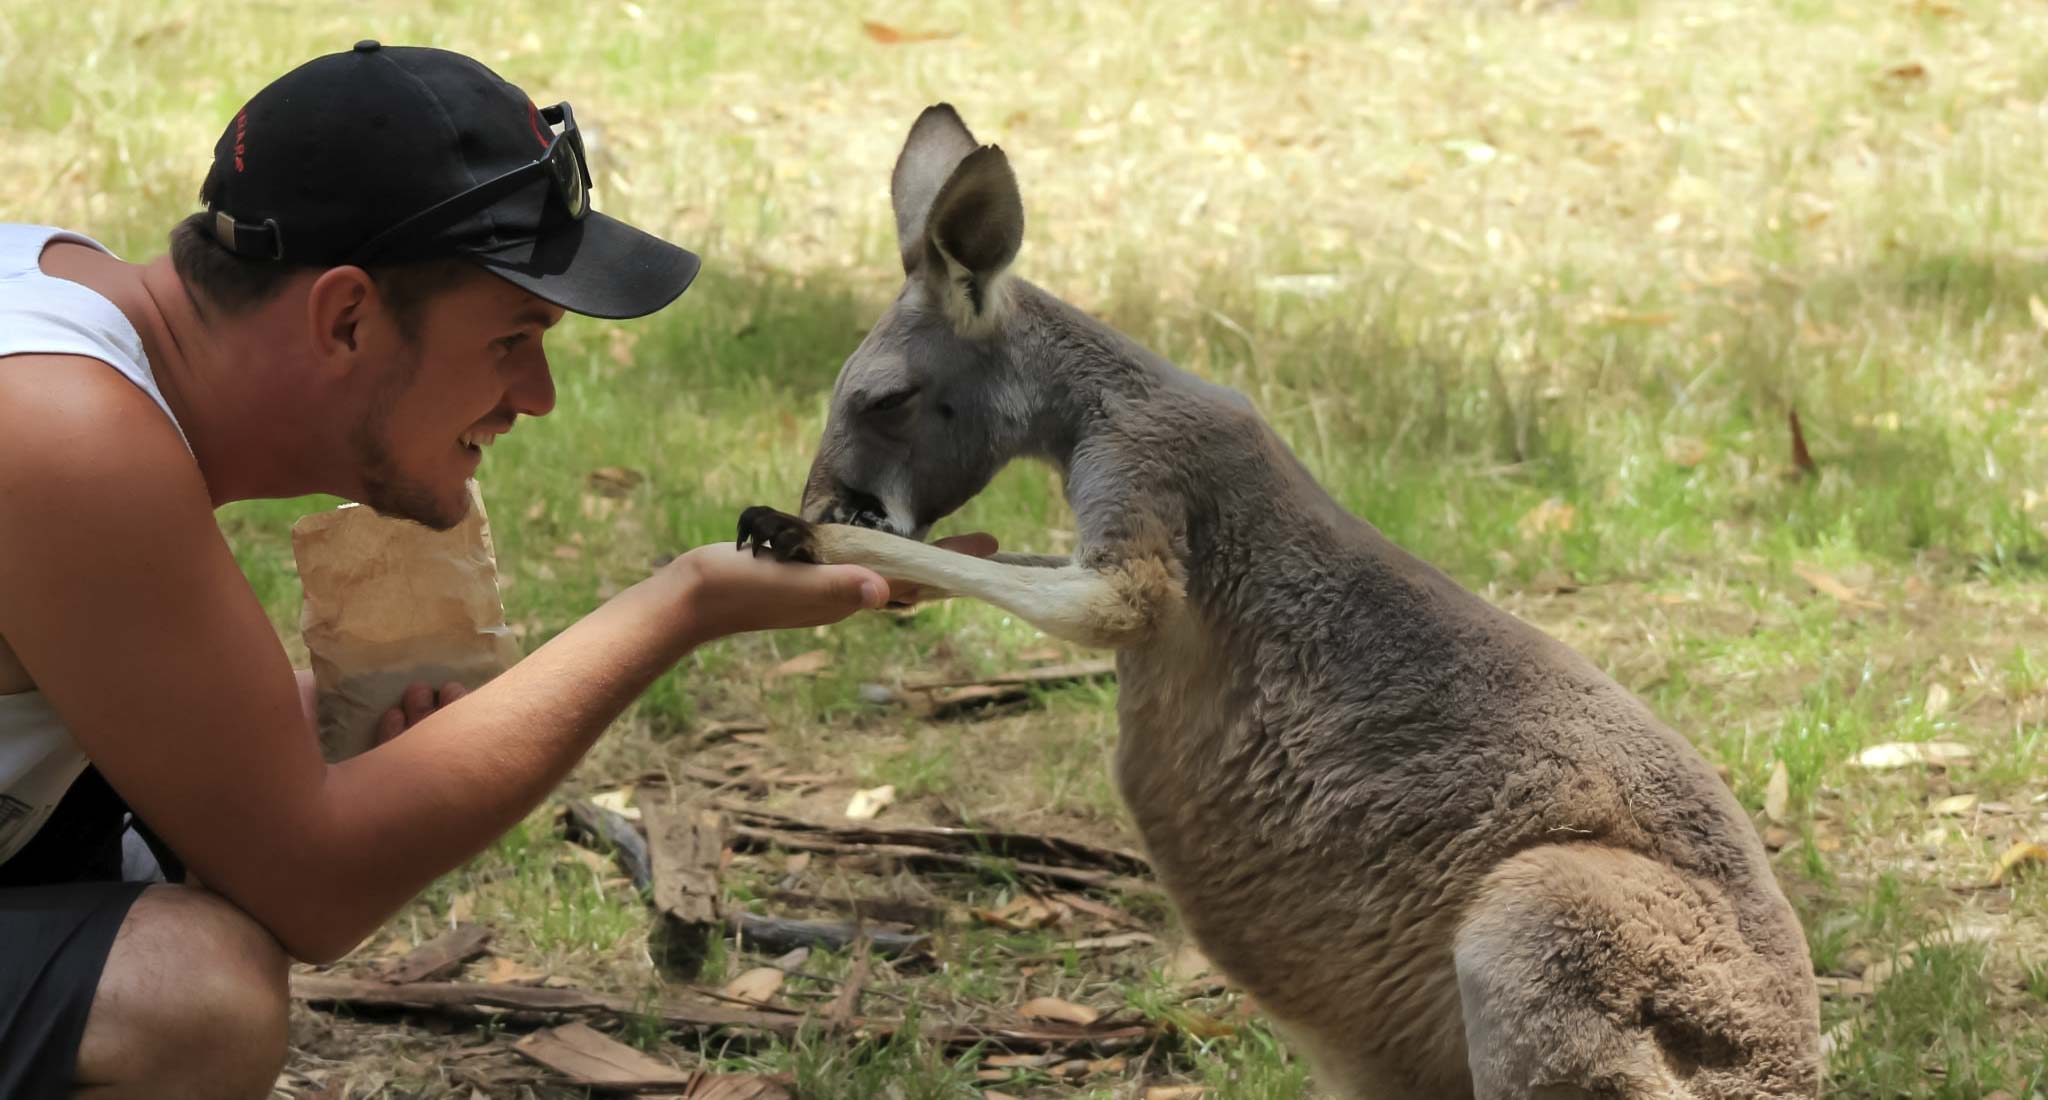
[562,164]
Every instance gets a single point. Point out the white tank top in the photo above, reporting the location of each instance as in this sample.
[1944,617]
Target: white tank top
[40,314]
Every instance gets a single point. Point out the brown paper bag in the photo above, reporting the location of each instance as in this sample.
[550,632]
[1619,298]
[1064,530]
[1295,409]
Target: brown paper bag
[389,602]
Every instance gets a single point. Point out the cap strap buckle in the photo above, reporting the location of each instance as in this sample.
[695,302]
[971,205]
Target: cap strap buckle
[259,242]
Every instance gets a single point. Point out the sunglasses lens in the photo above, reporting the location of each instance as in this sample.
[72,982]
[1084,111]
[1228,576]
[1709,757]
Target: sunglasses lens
[568,179]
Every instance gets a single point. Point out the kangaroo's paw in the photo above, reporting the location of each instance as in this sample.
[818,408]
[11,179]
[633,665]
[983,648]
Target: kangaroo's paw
[787,537]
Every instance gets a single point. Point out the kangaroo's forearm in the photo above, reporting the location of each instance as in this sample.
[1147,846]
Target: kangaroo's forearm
[1113,608]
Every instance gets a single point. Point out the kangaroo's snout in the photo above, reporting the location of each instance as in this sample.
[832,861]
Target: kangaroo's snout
[845,504]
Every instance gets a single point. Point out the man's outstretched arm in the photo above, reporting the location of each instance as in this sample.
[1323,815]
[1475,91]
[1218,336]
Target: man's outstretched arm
[122,600]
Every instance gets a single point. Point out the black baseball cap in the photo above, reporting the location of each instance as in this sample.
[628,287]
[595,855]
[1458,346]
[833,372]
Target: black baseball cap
[383,154]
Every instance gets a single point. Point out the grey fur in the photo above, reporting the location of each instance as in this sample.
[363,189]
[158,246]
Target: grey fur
[1444,852]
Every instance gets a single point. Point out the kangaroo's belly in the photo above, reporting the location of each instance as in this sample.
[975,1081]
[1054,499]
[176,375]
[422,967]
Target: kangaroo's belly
[1329,940]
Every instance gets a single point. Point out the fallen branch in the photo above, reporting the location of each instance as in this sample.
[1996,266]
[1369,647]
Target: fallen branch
[755,838]
[1050,674]
[775,935]
[839,1017]
[945,698]
[467,997]
[684,845]
[321,989]
[888,910]
[588,820]
[439,957]
[1040,847]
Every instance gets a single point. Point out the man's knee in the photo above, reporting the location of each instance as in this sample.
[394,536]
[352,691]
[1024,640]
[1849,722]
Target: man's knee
[192,985]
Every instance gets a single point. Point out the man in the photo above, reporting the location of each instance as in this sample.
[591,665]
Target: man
[359,310]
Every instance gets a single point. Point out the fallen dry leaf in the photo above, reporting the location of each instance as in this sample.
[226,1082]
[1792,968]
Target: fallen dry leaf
[803,664]
[1024,913]
[2038,310]
[590,1057]
[1938,699]
[614,481]
[1828,585]
[738,1086]
[1019,1061]
[1802,459]
[504,971]
[1551,515]
[1906,73]
[1683,450]
[1954,805]
[577,853]
[619,801]
[1176,1092]
[1052,1008]
[1777,792]
[892,36]
[2023,857]
[864,805]
[1899,754]
[757,986]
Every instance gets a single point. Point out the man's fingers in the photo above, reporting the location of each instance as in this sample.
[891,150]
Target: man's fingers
[391,725]
[452,691]
[418,702]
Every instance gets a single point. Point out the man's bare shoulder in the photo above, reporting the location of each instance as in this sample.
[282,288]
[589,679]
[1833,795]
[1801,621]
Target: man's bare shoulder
[71,423]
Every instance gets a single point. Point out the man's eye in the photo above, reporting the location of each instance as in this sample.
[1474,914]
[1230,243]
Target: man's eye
[511,342]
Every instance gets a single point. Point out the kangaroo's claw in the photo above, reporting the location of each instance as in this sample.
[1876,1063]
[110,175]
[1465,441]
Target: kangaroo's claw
[786,537]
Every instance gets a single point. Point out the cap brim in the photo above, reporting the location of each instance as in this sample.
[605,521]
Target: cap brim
[597,266]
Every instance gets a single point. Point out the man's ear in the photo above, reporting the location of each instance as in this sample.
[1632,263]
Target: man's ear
[336,305]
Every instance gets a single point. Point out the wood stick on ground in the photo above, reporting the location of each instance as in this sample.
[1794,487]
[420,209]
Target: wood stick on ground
[684,843]
[846,1005]
[888,910]
[1048,674]
[947,698]
[439,957]
[758,839]
[322,989]
[465,998]
[774,935]
[587,820]
[1042,847]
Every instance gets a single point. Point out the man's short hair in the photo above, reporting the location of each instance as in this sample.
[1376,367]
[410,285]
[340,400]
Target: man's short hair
[220,280]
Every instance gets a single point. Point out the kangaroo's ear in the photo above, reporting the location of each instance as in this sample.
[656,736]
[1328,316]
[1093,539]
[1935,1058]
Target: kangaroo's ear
[974,229]
[938,142]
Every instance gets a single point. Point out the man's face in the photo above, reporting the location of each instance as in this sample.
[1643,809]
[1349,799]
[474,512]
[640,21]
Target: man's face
[475,365]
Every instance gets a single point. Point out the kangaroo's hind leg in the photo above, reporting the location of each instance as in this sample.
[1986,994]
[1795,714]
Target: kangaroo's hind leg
[1589,972]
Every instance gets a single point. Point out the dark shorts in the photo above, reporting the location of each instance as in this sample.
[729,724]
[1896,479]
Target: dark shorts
[61,902]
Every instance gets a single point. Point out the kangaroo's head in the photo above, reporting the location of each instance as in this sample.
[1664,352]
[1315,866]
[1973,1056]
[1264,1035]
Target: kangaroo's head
[931,404]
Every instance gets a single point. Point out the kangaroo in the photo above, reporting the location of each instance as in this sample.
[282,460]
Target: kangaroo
[1445,853]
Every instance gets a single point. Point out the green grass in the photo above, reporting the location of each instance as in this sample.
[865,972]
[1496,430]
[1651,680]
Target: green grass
[1532,287]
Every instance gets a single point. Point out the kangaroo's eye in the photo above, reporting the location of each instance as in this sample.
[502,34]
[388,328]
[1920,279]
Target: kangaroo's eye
[893,401]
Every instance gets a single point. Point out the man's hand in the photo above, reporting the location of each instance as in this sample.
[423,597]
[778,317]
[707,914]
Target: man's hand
[733,592]
[419,700]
